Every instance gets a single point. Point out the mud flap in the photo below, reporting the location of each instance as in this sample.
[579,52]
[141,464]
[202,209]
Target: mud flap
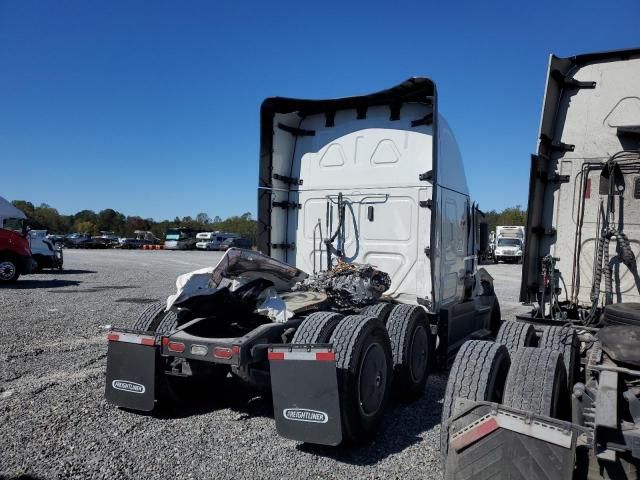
[491,441]
[304,385]
[131,370]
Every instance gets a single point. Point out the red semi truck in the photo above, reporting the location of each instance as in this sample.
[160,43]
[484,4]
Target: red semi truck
[15,254]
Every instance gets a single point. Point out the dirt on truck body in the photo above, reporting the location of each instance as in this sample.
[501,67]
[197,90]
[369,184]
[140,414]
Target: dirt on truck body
[557,394]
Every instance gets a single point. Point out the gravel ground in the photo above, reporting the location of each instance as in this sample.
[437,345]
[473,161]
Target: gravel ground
[56,423]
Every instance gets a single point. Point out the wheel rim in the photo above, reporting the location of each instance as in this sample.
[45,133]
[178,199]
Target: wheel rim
[419,354]
[372,381]
[7,270]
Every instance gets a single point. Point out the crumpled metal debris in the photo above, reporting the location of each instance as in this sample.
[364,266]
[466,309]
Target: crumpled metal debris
[348,285]
[239,266]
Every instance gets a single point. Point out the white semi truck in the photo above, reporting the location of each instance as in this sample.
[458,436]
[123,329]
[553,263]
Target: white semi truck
[509,244]
[366,280]
[556,395]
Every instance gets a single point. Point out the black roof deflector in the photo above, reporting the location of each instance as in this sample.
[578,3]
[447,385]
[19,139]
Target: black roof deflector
[580,60]
[416,89]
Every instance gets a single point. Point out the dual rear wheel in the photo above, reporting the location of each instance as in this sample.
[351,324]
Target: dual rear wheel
[517,370]
[382,352]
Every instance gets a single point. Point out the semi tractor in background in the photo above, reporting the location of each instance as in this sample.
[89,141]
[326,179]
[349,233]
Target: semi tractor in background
[366,277]
[557,395]
[509,244]
[15,254]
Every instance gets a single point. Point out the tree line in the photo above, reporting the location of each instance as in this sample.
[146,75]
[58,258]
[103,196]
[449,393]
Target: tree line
[45,217]
[92,223]
[509,216]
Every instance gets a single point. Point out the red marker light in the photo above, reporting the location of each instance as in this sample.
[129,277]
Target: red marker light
[177,347]
[223,353]
[113,337]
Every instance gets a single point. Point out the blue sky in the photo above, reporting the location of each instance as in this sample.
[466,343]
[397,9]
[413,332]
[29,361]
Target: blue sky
[151,107]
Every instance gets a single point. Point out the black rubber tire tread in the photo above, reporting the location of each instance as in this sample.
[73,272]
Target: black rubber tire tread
[622,314]
[564,340]
[514,335]
[537,382]
[317,327]
[478,373]
[380,310]
[403,320]
[349,339]
[149,316]
[168,322]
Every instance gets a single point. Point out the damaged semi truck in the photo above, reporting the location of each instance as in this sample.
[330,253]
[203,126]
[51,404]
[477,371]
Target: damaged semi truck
[366,277]
[556,396]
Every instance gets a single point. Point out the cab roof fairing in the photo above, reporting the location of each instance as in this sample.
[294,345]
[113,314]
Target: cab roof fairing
[414,90]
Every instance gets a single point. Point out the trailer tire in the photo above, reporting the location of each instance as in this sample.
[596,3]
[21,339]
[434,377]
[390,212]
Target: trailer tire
[537,383]
[364,368]
[514,335]
[380,310]
[411,346]
[478,373]
[564,340]
[155,319]
[317,328]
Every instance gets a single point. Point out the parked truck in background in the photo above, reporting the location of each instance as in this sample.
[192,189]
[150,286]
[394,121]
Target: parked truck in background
[367,278]
[180,239]
[509,244]
[44,252]
[15,255]
[557,395]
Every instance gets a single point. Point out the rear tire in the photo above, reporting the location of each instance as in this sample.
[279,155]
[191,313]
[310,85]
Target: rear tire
[380,310]
[155,319]
[537,383]
[364,369]
[317,328]
[478,373]
[564,340]
[514,335]
[410,337]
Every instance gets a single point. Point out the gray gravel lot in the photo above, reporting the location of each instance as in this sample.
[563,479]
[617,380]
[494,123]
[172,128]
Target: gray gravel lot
[56,424]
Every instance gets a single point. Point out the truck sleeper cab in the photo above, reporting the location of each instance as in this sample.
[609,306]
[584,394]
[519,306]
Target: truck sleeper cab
[376,179]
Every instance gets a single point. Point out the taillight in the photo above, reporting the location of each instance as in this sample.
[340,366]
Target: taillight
[113,337]
[177,347]
[223,353]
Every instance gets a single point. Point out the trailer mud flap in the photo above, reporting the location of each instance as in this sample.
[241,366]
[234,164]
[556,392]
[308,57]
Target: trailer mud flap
[305,394]
[491,441]
[131,370]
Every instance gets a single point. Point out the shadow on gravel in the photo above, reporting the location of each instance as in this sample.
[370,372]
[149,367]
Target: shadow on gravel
[232,394]
[68,272]
[93,289]
[402,426]
[54,283]
[136,300]
[22,476]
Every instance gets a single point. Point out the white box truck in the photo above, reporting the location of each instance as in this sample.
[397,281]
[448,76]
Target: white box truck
[509,244]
